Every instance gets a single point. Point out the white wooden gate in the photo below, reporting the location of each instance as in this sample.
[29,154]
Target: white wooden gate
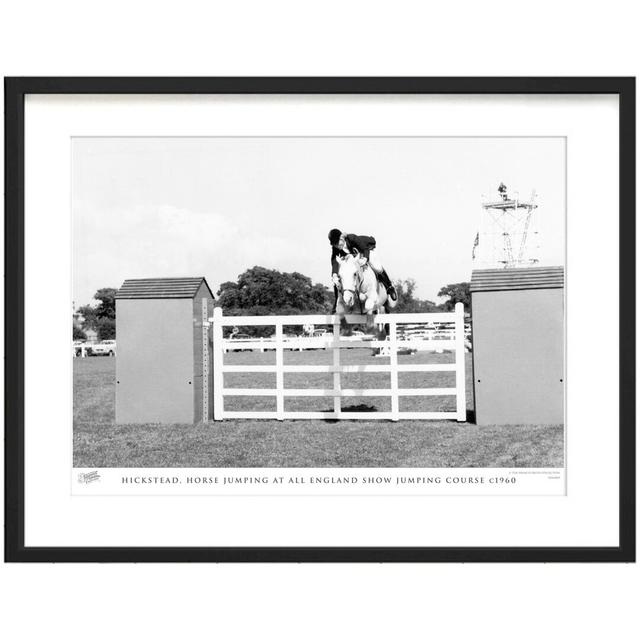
[455,343]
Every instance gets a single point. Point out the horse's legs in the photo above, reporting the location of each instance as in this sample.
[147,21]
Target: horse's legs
[341,311]
[384,332]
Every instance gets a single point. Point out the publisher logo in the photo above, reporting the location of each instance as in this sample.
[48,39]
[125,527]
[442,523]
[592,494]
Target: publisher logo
[90,476]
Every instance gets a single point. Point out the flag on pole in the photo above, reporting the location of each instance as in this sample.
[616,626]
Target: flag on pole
[476,242]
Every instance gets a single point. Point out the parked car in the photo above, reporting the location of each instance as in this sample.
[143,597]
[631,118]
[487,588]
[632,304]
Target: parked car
[319,333]
[104,348]
[357,335]
[81,349]
[362,335]
[240,336]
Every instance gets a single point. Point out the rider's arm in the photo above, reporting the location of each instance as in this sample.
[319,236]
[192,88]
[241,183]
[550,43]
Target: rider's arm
[362,244]
[335,266]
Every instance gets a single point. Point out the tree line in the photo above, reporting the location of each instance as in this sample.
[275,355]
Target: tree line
[100,318]
[260,291]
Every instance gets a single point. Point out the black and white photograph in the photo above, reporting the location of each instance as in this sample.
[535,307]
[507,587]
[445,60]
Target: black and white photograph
[319,320]
[360,317]
[319,302]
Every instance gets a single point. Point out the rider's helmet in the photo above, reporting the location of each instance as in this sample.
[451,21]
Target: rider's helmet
[334,236]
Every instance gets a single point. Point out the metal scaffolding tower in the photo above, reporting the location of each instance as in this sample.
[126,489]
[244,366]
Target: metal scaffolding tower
[508,235]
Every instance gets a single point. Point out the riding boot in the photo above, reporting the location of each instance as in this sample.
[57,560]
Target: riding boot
[388,285]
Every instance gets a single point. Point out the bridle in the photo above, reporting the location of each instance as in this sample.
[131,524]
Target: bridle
[357,280]
[357,283]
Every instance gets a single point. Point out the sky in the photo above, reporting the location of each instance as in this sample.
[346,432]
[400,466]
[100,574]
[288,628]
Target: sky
[214,207]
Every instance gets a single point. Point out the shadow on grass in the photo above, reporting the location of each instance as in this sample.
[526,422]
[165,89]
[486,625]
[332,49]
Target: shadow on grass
[365,408]
[356,408]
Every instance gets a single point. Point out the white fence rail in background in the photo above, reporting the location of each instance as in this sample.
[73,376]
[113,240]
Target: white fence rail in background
[280,343]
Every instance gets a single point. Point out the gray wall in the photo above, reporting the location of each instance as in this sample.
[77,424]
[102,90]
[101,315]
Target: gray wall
[155,361]
[518,351]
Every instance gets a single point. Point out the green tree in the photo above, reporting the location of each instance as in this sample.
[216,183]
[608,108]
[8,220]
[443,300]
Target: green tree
[407,301]
[456,293]
[95,317]
[107,302]
[273,292]
[89,314]
[260,291]
[78,333]
[106,328]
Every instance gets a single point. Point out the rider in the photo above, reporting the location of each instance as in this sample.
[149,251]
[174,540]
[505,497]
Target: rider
[363,245]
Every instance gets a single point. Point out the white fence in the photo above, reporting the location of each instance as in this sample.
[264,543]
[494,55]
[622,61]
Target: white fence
[335,342]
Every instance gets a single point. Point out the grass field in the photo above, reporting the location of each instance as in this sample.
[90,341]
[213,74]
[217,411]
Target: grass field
[99,442]
[348,381]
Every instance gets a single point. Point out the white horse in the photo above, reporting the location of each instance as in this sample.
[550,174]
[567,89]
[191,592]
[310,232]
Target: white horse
[358,282]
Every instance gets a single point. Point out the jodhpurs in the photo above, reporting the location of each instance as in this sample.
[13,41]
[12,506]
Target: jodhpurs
[375,262]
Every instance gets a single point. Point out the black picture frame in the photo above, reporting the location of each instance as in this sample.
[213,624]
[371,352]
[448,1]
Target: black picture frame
[15,91]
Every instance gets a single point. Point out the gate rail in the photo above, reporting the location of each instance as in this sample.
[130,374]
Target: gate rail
[279,343]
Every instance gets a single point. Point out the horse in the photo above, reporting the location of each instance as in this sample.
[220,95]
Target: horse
[359,281]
